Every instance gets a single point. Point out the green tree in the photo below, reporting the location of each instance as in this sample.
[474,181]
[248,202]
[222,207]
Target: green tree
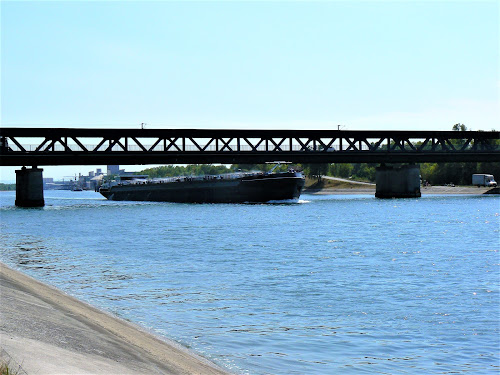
[316,170]
[343,170]
[459,127]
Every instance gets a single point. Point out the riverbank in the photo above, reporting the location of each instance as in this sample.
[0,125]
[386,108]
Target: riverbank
[431,190]
[49,332]
[338,186]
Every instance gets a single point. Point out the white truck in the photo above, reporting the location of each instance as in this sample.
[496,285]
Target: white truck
[483,180]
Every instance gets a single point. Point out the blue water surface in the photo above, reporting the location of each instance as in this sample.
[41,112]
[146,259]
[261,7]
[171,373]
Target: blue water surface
[331,284]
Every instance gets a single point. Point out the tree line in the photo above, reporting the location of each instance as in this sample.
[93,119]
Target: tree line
[434,173]
[206,169]
[188,170]
[7,187]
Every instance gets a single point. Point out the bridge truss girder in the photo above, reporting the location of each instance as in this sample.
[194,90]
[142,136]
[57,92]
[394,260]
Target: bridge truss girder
[38,146]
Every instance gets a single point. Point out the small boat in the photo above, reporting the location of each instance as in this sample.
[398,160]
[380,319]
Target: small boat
[239,187]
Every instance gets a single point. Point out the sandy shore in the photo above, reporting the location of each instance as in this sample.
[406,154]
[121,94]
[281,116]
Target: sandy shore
[48,332]
[457,190]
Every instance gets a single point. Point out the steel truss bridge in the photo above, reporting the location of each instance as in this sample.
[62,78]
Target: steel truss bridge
[58,146]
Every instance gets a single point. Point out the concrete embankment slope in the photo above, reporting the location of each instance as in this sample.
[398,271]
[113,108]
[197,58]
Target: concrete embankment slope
[49,332]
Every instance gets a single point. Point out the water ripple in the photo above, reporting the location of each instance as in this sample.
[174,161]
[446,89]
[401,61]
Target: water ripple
[328,284]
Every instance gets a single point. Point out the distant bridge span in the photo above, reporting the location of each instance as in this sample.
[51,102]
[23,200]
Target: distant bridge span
[67,146]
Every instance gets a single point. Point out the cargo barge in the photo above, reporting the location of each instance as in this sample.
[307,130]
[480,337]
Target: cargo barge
[228,188]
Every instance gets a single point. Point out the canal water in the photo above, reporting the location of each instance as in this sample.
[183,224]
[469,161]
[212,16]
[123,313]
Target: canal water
[331,284]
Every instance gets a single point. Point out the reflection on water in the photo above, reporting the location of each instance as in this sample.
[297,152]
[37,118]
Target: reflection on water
[328,284]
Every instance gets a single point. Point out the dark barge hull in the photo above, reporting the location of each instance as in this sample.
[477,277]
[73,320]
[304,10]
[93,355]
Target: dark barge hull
[256,188]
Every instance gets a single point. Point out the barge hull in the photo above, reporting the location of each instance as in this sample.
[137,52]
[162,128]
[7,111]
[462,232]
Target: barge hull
[253,189]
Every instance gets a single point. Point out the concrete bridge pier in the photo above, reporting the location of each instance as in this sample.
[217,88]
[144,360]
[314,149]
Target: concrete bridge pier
[29,187]
[397,182]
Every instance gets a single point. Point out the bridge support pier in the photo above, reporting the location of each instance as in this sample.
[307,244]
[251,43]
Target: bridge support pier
[402,182]
[29,187]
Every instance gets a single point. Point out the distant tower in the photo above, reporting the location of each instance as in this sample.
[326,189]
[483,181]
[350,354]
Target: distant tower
[113,169]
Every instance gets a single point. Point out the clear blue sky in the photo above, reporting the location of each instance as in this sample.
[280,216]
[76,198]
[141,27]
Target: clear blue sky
[362,64]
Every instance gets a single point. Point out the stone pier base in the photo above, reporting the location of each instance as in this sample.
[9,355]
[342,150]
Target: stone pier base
[402,182]
[29,187]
